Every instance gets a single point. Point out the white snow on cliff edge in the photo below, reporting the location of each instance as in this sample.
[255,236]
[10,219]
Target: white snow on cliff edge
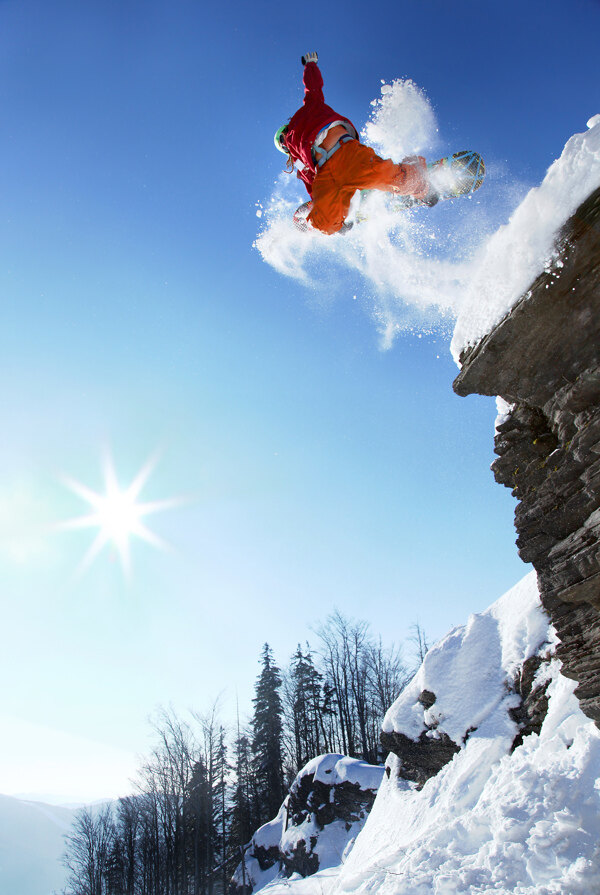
[512,258]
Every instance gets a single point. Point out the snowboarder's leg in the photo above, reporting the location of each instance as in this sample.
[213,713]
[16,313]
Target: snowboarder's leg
[357,167]
[365,170]
[330,206]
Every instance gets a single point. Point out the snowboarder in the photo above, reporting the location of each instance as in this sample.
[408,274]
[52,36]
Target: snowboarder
[334,164]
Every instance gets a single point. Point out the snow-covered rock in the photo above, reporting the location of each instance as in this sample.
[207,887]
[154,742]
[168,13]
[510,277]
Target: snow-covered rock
[326,808]
[470,684]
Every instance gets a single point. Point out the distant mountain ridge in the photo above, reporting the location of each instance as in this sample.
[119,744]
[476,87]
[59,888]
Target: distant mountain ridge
[31,846]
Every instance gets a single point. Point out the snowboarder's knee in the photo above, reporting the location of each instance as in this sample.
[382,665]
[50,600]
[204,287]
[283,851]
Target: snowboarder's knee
[328,227]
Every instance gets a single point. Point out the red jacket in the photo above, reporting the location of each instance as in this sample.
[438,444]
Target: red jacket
[308,121]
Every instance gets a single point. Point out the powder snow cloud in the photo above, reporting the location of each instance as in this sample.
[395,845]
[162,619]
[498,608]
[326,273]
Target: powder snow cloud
[459,265]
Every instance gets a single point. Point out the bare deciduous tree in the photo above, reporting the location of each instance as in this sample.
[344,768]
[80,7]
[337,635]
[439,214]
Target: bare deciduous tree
[88,847]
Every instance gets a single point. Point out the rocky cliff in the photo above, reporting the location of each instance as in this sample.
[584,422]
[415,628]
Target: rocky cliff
[543,359]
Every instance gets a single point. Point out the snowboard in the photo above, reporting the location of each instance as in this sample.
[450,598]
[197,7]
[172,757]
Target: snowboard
[454,175]
[449,177]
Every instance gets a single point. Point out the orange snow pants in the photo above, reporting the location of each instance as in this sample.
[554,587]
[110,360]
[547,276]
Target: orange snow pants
[357,167]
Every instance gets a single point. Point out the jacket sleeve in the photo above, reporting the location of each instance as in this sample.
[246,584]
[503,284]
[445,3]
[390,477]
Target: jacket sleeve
[313,84]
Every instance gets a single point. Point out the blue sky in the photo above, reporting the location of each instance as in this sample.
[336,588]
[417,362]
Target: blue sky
[319,470]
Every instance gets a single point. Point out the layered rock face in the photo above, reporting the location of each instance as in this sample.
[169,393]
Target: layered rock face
[544,360]
[326,807]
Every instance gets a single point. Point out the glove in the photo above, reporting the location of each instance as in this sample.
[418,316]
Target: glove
[300,216]
[310,57]
[417,177]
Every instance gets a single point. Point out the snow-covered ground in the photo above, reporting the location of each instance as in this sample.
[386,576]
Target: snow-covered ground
[491,821]
[458,264]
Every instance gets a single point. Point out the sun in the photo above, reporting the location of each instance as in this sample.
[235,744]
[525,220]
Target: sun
[117,514]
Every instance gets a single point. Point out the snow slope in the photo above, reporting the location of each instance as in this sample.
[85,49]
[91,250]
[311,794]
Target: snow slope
[490,821]
[467,671]
[31,846]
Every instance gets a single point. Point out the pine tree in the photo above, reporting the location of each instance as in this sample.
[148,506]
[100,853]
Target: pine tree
[196,813]
[242,825]
[306,706]
[215,763]
[267,737]
[218,819]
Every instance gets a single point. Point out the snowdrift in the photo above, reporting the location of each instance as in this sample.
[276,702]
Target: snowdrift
[508,813]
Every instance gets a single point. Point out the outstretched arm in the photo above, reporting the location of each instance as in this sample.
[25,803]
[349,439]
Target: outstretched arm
[313,80]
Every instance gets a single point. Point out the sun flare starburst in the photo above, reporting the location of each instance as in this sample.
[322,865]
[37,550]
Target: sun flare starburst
[117,513]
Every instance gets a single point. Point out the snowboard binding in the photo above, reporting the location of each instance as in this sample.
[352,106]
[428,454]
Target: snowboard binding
[468,171]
